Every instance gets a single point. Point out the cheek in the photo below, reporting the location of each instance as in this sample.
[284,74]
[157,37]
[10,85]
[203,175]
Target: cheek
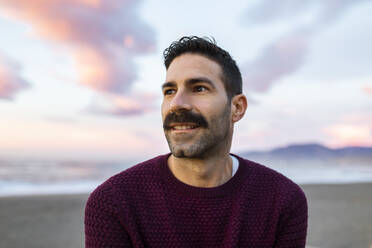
[214,108]
[164,110]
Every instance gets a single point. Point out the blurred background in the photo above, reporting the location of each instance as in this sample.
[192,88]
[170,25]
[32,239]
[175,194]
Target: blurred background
[80,101]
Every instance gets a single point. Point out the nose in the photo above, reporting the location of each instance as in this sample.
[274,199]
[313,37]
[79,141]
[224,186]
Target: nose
[180,101]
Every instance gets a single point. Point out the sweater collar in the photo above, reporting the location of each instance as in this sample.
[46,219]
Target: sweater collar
[229,187]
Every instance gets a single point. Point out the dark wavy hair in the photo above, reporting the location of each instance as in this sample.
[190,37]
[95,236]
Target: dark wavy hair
[207,47]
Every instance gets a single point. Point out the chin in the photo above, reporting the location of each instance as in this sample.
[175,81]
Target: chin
[187,153]
[180,152]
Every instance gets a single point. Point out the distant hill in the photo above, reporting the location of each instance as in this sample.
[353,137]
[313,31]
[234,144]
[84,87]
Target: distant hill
[313,153]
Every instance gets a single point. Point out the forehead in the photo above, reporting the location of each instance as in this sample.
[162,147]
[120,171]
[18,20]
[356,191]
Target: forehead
[191,65]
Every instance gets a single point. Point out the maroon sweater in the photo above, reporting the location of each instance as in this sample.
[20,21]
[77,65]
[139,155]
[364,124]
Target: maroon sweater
[146,206]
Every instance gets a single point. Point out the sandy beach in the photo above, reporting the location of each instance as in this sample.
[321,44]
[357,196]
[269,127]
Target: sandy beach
[339,216]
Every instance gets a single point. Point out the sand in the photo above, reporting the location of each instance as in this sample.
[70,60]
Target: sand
[339,216]
[42,221]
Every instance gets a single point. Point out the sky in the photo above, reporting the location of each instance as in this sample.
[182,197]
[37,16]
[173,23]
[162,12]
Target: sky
[80,79]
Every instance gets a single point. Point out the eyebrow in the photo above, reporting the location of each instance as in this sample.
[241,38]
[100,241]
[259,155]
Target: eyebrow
[191,81]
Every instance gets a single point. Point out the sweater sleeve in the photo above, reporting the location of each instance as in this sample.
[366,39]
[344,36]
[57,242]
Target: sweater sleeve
[292,228]
[101,222]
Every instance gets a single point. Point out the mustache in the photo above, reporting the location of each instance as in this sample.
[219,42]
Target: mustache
[183,117]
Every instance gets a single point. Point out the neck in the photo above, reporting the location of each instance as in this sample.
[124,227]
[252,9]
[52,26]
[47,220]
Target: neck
[207,172]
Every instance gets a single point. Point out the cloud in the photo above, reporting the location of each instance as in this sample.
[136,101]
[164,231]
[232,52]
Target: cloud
[60,119]
[81,140]
[103,36]
[324,11]
[286,55]
[367,90]
[349,135]
[266,11]
[117,105]
[281,58]
[11,81]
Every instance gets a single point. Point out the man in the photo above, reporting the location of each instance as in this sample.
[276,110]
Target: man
[199,195]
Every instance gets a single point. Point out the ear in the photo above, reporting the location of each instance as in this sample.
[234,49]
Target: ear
[238,107]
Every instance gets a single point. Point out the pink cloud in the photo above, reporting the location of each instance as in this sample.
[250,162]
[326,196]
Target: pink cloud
[103,36]
[367,90]
[11,81]
[349,135]
[124,105]
[37,138]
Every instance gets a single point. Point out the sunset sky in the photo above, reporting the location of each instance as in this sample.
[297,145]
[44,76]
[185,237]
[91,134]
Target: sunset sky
[80,79]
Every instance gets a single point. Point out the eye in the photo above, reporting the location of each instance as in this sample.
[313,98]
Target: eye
[200,88]
[169,91]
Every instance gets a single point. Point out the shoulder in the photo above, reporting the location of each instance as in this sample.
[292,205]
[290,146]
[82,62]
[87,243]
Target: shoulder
[133,177]
[269,181]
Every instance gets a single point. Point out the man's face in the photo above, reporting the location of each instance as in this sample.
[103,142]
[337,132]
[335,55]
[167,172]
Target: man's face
[195,109]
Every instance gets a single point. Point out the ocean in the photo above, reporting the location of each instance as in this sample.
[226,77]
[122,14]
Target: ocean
[31,177]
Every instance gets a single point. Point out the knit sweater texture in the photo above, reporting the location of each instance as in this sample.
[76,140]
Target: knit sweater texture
[147,206]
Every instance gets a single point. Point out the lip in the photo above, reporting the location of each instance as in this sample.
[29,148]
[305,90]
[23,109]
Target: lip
[183,124]
[189,130]
[184,130]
